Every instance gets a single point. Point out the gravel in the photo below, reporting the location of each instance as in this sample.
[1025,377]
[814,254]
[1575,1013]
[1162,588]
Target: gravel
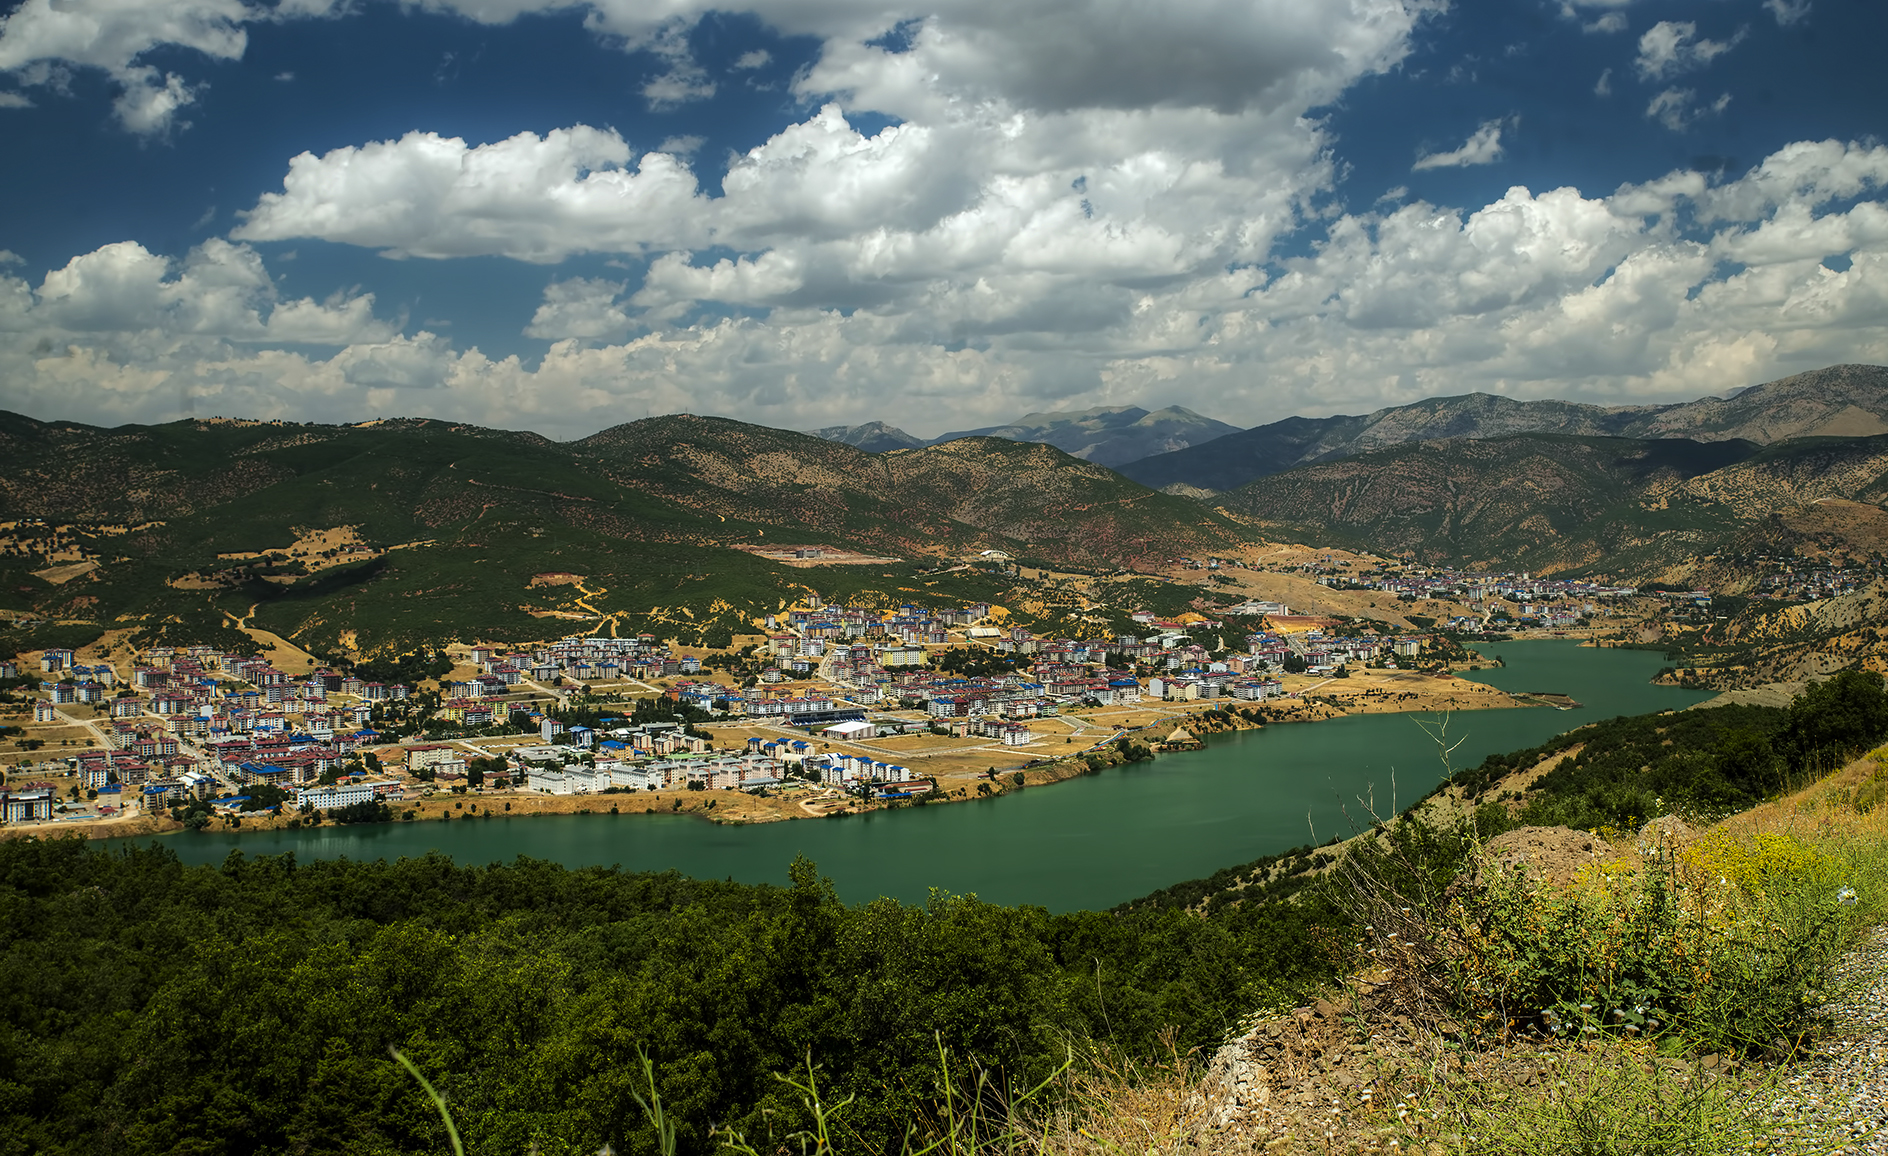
[1843,1083]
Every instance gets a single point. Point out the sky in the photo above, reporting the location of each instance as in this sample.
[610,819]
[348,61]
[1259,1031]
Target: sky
[556,216]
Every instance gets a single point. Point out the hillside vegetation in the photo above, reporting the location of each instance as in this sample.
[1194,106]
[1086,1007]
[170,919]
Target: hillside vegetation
[152,1007]
[393,534]
[1634,509]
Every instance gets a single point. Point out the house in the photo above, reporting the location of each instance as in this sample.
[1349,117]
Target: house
[1180,740]
[850,731]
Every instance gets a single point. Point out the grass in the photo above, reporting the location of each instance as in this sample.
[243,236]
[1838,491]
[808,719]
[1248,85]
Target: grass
[1652,1006]
[1608,1099]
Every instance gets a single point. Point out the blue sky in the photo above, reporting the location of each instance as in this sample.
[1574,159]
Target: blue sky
[806,212]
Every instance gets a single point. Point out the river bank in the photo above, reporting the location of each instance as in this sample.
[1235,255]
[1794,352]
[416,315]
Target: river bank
[959,775]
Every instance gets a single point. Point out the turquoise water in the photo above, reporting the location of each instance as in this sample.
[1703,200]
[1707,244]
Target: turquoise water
[1088,843]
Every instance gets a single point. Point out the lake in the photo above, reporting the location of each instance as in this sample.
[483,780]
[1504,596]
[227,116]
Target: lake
[1091,842]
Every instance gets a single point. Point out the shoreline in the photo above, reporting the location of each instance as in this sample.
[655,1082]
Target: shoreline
[1315,700]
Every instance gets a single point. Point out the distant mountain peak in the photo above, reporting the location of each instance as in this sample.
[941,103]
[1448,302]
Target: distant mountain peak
[1107,435]
[1839,401]
[874,437]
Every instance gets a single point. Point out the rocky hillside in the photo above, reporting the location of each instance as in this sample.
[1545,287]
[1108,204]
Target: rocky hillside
[1840,401]
[1108,435]
[1536,501]
[874,437]
[402,533]
[1638,509]
[982,492]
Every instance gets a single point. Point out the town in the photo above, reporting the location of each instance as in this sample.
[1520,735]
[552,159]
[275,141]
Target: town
[828,708]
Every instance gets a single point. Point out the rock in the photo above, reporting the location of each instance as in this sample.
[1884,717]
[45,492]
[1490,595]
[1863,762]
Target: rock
[1553,855]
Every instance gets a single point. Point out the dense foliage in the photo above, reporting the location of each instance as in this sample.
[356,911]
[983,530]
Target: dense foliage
[153,1007]
[1706,762]
[146,1006]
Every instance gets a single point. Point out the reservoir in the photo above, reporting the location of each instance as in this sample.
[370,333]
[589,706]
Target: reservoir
[1089,843]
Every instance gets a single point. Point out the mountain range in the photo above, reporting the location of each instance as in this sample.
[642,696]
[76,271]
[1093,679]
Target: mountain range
[1181,451]
[1840,401]
[1106,435]
[390,533]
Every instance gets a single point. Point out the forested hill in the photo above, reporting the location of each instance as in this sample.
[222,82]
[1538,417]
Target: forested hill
[155,1008]
[403,533]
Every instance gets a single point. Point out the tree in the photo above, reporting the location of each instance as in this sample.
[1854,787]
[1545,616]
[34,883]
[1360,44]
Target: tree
[1837,717]
[474,774]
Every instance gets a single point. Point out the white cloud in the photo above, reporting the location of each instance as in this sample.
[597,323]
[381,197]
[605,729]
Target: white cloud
[533,198]
[14,100]
[1678,108]
[758,58]
[148,106]
[1608,24]
[685,80]
[1672,288]
[1057,55]
[1671,47]
[1112,196]
[580,308]
[1604,86]
[1483,148]
[111,35]
[1787,12]
[1076,204]
[123,290]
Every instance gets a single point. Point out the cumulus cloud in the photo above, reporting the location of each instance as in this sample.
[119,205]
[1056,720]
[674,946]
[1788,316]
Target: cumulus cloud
[1608,24]
[149,105]
[1483,148]
[1678,108]
[1076,203]
[1670,288]
[530,197]
[112,36]
[1672,46]
[581,307]
[219,290]
[758,58]
[860,218]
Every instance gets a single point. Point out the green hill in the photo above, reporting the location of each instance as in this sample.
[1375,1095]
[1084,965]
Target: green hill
[1632,508]
[1537,501]
[394,533]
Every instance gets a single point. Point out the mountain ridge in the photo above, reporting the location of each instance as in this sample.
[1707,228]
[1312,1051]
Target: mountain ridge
[1839,400]
[1105,435]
